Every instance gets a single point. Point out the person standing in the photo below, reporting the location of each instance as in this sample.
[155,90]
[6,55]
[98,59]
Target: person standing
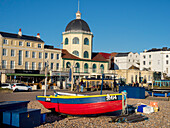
[81,83]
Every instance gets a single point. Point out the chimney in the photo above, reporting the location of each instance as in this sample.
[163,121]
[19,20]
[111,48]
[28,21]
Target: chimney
[20,33]
[38,35]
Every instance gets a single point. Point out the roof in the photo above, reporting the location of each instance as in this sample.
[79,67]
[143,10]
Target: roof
[23,37]
[105,55]
[113,54]
[158,49]
[78,24]
[96,56]
[134,67]
[99,57]
[122,54]
[67,55]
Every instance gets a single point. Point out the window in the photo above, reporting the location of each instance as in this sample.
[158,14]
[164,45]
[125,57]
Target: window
[166,61]
[86,41]
[52,56]
[46,55]
[149,62]
[85,68]
[129,60]
[20,57]
[45,64]
[20,43]
[149,56]
[68,65]
[166,56]
[4,52]
[5,42]
[86,54]
[57,66]
[12,52]
[143,62]
[28,44]
[26,65]
[33,54]
[39,45]
[94,67]
[144,56]
[102,68]
[12,64]
[27,54]
[39,66]
[4,63]
[33,65]
[131,78]
[77,68]
[75,40]
[76,53]
[51,65]
[66,41]
[136,78]
[40,55]
[57,56]
[12,42]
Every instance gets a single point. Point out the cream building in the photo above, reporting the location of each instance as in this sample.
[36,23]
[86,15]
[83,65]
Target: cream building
[135,76]
[77,51]
[20,55]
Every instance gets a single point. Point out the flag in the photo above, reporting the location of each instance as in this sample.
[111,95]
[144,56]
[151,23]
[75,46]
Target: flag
[70,73]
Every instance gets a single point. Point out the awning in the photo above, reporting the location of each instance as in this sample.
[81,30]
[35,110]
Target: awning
[16,74]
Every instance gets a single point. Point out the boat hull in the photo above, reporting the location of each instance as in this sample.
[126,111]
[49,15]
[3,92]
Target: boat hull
[84,109]
[82,105]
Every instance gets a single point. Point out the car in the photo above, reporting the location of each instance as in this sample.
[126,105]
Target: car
[20,87]
[6,85]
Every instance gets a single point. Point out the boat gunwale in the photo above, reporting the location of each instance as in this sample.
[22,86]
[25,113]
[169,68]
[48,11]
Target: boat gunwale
[71,97]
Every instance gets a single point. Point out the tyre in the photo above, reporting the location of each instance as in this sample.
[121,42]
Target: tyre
[16,90]
[29,90]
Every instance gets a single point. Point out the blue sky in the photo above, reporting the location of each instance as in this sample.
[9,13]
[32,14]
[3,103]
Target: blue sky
[117,25]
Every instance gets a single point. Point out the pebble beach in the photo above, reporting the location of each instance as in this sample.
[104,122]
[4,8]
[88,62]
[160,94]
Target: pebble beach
[160,119]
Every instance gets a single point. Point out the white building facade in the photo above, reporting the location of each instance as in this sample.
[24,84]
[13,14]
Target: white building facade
[157,60]
[126,60]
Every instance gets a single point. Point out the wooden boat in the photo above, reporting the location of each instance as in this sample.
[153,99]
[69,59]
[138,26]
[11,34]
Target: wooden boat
[83,104]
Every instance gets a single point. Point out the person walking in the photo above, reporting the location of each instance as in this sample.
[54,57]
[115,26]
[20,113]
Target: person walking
[77,85]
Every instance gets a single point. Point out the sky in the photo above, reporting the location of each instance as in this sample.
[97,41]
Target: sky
[117,25]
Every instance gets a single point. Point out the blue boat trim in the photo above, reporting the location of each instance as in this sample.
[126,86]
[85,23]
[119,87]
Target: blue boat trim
[77,100]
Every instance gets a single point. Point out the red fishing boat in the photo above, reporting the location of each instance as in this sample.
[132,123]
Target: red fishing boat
[83,104]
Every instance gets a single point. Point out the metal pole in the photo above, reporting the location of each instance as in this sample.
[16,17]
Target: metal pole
[72,78]
[102,84]
[45,81]
[46,70]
